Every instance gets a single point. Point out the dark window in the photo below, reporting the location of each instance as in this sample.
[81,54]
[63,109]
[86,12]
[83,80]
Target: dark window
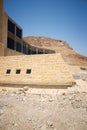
[18,32]
[11,27]
[24,49]
[29,51]
[18,71]
[46,52]
[28,71]
[18,47]
[10,43]
[40,52]
[33,52]
[8,71]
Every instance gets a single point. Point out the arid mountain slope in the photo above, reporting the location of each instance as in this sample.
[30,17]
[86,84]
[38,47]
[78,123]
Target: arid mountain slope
[69,55]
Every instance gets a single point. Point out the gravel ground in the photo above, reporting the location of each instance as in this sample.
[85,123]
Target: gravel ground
[21,109]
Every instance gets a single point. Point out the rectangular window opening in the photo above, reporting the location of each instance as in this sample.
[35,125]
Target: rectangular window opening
[11,26]
[10,43]
[8,71]
[28,71]
[18,71]
[18,32]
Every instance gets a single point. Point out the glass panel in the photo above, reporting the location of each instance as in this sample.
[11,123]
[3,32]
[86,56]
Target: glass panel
[10,43]
[11,27]
[18,47]
[18,32]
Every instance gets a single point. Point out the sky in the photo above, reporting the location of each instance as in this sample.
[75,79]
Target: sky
[59,19]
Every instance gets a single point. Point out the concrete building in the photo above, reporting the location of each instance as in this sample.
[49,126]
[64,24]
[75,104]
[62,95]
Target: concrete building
[35,70]
[11,37]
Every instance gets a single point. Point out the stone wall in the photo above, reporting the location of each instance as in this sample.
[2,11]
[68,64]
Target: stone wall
[1,49]
[47,69]
[5,30]
[10,52]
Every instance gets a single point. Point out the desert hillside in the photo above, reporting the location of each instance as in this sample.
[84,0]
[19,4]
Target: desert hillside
[69,55]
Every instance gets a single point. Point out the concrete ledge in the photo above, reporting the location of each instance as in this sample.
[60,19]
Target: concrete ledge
[39,85]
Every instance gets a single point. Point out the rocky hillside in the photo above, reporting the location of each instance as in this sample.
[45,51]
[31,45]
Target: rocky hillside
[69,55]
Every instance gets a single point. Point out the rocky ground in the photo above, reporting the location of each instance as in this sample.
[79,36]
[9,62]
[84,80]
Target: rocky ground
[38,109]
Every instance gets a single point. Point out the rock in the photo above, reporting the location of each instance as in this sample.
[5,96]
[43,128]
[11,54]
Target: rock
[50,124]
[39,108]
[63,93]
[44,127]
[29,119]
[21,91]
[4,90]
[39,126]
[34,128]
[6,104]
[14,92]
[51,100]
[76,76]
[18,92]
[23,99]
[1,112]
[26,88]
[70,98]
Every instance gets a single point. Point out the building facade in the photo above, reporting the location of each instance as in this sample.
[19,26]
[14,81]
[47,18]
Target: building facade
[11,37]
[35,70]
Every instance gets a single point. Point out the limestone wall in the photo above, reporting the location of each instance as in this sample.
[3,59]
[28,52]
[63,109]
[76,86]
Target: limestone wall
[5,27]
[47,69]
[1,49]
[10,52]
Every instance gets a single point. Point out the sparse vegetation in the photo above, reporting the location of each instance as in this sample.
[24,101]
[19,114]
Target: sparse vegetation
[83,68]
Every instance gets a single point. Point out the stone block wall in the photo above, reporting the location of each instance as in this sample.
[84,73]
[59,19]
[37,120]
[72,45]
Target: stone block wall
[47,69]
[10,52]
[1,49]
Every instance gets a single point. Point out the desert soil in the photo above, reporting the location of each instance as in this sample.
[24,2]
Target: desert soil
[45,109]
